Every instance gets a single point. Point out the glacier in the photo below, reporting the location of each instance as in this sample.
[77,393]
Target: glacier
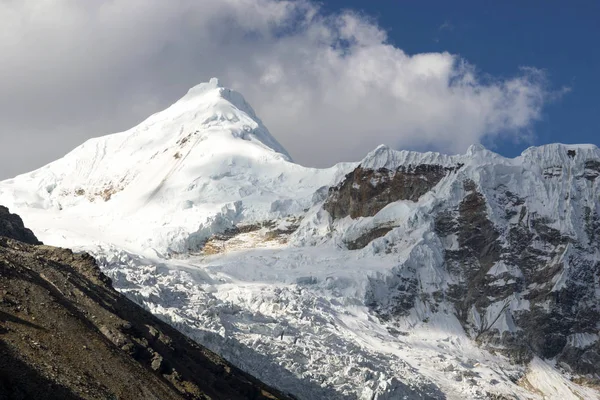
[339,283]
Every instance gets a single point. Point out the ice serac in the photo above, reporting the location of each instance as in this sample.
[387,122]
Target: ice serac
[404,275]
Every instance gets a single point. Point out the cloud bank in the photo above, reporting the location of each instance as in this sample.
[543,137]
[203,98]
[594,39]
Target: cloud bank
[330,87]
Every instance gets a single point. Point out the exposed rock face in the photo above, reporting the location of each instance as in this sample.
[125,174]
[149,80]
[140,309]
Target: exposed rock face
[11,225]
[65,333]
[592,169]
[250,236]
[535,264]
[552,275]
[364,192]
[478,250]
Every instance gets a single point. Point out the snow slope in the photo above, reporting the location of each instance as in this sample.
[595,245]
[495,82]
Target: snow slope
[199,215]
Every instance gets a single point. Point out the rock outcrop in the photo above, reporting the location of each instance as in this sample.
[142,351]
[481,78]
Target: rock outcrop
[364,192]
[11,225]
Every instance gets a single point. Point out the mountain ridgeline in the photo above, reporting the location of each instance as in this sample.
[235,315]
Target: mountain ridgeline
[403,275]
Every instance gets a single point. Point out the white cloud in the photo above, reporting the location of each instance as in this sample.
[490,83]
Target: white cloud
[329,87]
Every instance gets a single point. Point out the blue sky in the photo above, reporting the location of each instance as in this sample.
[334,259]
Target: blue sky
[498,37]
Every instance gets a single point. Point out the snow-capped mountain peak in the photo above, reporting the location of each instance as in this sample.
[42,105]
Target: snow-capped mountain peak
[186,172]
[208,130]
[213,109]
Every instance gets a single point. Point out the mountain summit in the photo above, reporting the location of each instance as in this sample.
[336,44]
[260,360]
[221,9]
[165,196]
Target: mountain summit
[215,106]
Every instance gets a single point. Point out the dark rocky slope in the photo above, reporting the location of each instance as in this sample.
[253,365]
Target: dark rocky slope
[65,333]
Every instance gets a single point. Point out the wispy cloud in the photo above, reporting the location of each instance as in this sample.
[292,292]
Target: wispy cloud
[329,87]
[446,26]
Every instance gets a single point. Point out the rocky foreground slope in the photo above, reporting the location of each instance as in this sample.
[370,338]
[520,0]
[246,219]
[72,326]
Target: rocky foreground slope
[65,333]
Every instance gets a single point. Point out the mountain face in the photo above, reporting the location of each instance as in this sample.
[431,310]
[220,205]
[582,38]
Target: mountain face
[404,275]
[65,333]
[518,241]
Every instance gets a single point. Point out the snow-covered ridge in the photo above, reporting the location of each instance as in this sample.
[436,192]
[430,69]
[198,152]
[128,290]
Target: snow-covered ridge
[555,154]
[386,157]
[561,154]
